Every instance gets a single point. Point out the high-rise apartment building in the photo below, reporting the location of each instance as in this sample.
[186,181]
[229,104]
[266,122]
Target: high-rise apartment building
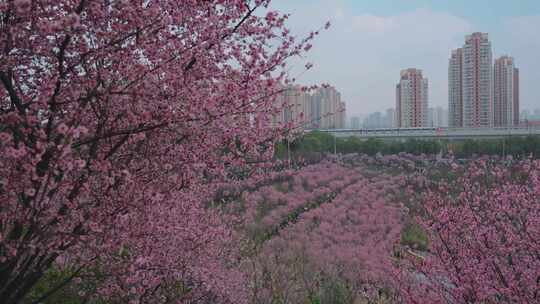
[470,83]
[477,81]
[328,111]
[321,110]
[390,117]
[455,89]
[437,117]
[374,121]
[316,111]
[331,99]
[380,120]
[341,115]
[356,122]
[506,93]
[411,99]
[294,105]
[442,116]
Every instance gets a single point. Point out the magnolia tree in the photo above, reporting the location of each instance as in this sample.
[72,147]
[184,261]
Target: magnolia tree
[484,230]
[116,118]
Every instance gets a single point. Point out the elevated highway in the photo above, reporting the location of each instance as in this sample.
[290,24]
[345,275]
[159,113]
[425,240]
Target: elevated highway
[436,133]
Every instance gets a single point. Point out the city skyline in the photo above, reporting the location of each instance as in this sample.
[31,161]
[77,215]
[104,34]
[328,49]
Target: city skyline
[482,92]
[475,58]
[436,117]
[369,42]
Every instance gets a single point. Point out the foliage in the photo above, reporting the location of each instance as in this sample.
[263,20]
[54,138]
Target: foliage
[414,236]
[52,278]
[320,142]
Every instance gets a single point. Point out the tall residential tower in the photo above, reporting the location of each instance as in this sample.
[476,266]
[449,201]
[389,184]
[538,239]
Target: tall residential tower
[481,94]
[470,84]
[412,100]
[506,93]
[455,89]
[477,81]
[321,110]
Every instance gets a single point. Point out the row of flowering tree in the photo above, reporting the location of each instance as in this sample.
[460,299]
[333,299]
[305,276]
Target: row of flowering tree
[116,120]
[483,223]
[481,218]
[325,234]
[334,232]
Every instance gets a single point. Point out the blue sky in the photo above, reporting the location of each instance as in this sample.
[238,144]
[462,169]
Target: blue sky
[370,41]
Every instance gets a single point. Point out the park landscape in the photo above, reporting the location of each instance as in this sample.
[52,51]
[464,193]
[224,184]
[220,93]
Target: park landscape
[139,164]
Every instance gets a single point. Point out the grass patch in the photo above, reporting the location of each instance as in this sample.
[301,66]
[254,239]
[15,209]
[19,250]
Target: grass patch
[414,236]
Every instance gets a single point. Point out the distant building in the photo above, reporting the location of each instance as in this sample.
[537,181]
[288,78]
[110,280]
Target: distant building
[328,109]
[295,106]
[443,116]
[506,93]
[411,99]
[379,120]
[526,115]
[455,89]
[526,123]
[321,110]
[390,118]
[477,81]
[374,121]
[437,117]
[341,115]
[356,122]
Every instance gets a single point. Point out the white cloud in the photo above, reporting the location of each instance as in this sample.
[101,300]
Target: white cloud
[372,24]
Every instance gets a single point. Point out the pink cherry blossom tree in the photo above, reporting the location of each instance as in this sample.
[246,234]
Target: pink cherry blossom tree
[484,231]
[116,118]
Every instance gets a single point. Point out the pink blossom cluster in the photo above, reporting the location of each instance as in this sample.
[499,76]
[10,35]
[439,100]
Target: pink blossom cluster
[356,231]
[233,189]
[271,205]
[350,238]
[484,230]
